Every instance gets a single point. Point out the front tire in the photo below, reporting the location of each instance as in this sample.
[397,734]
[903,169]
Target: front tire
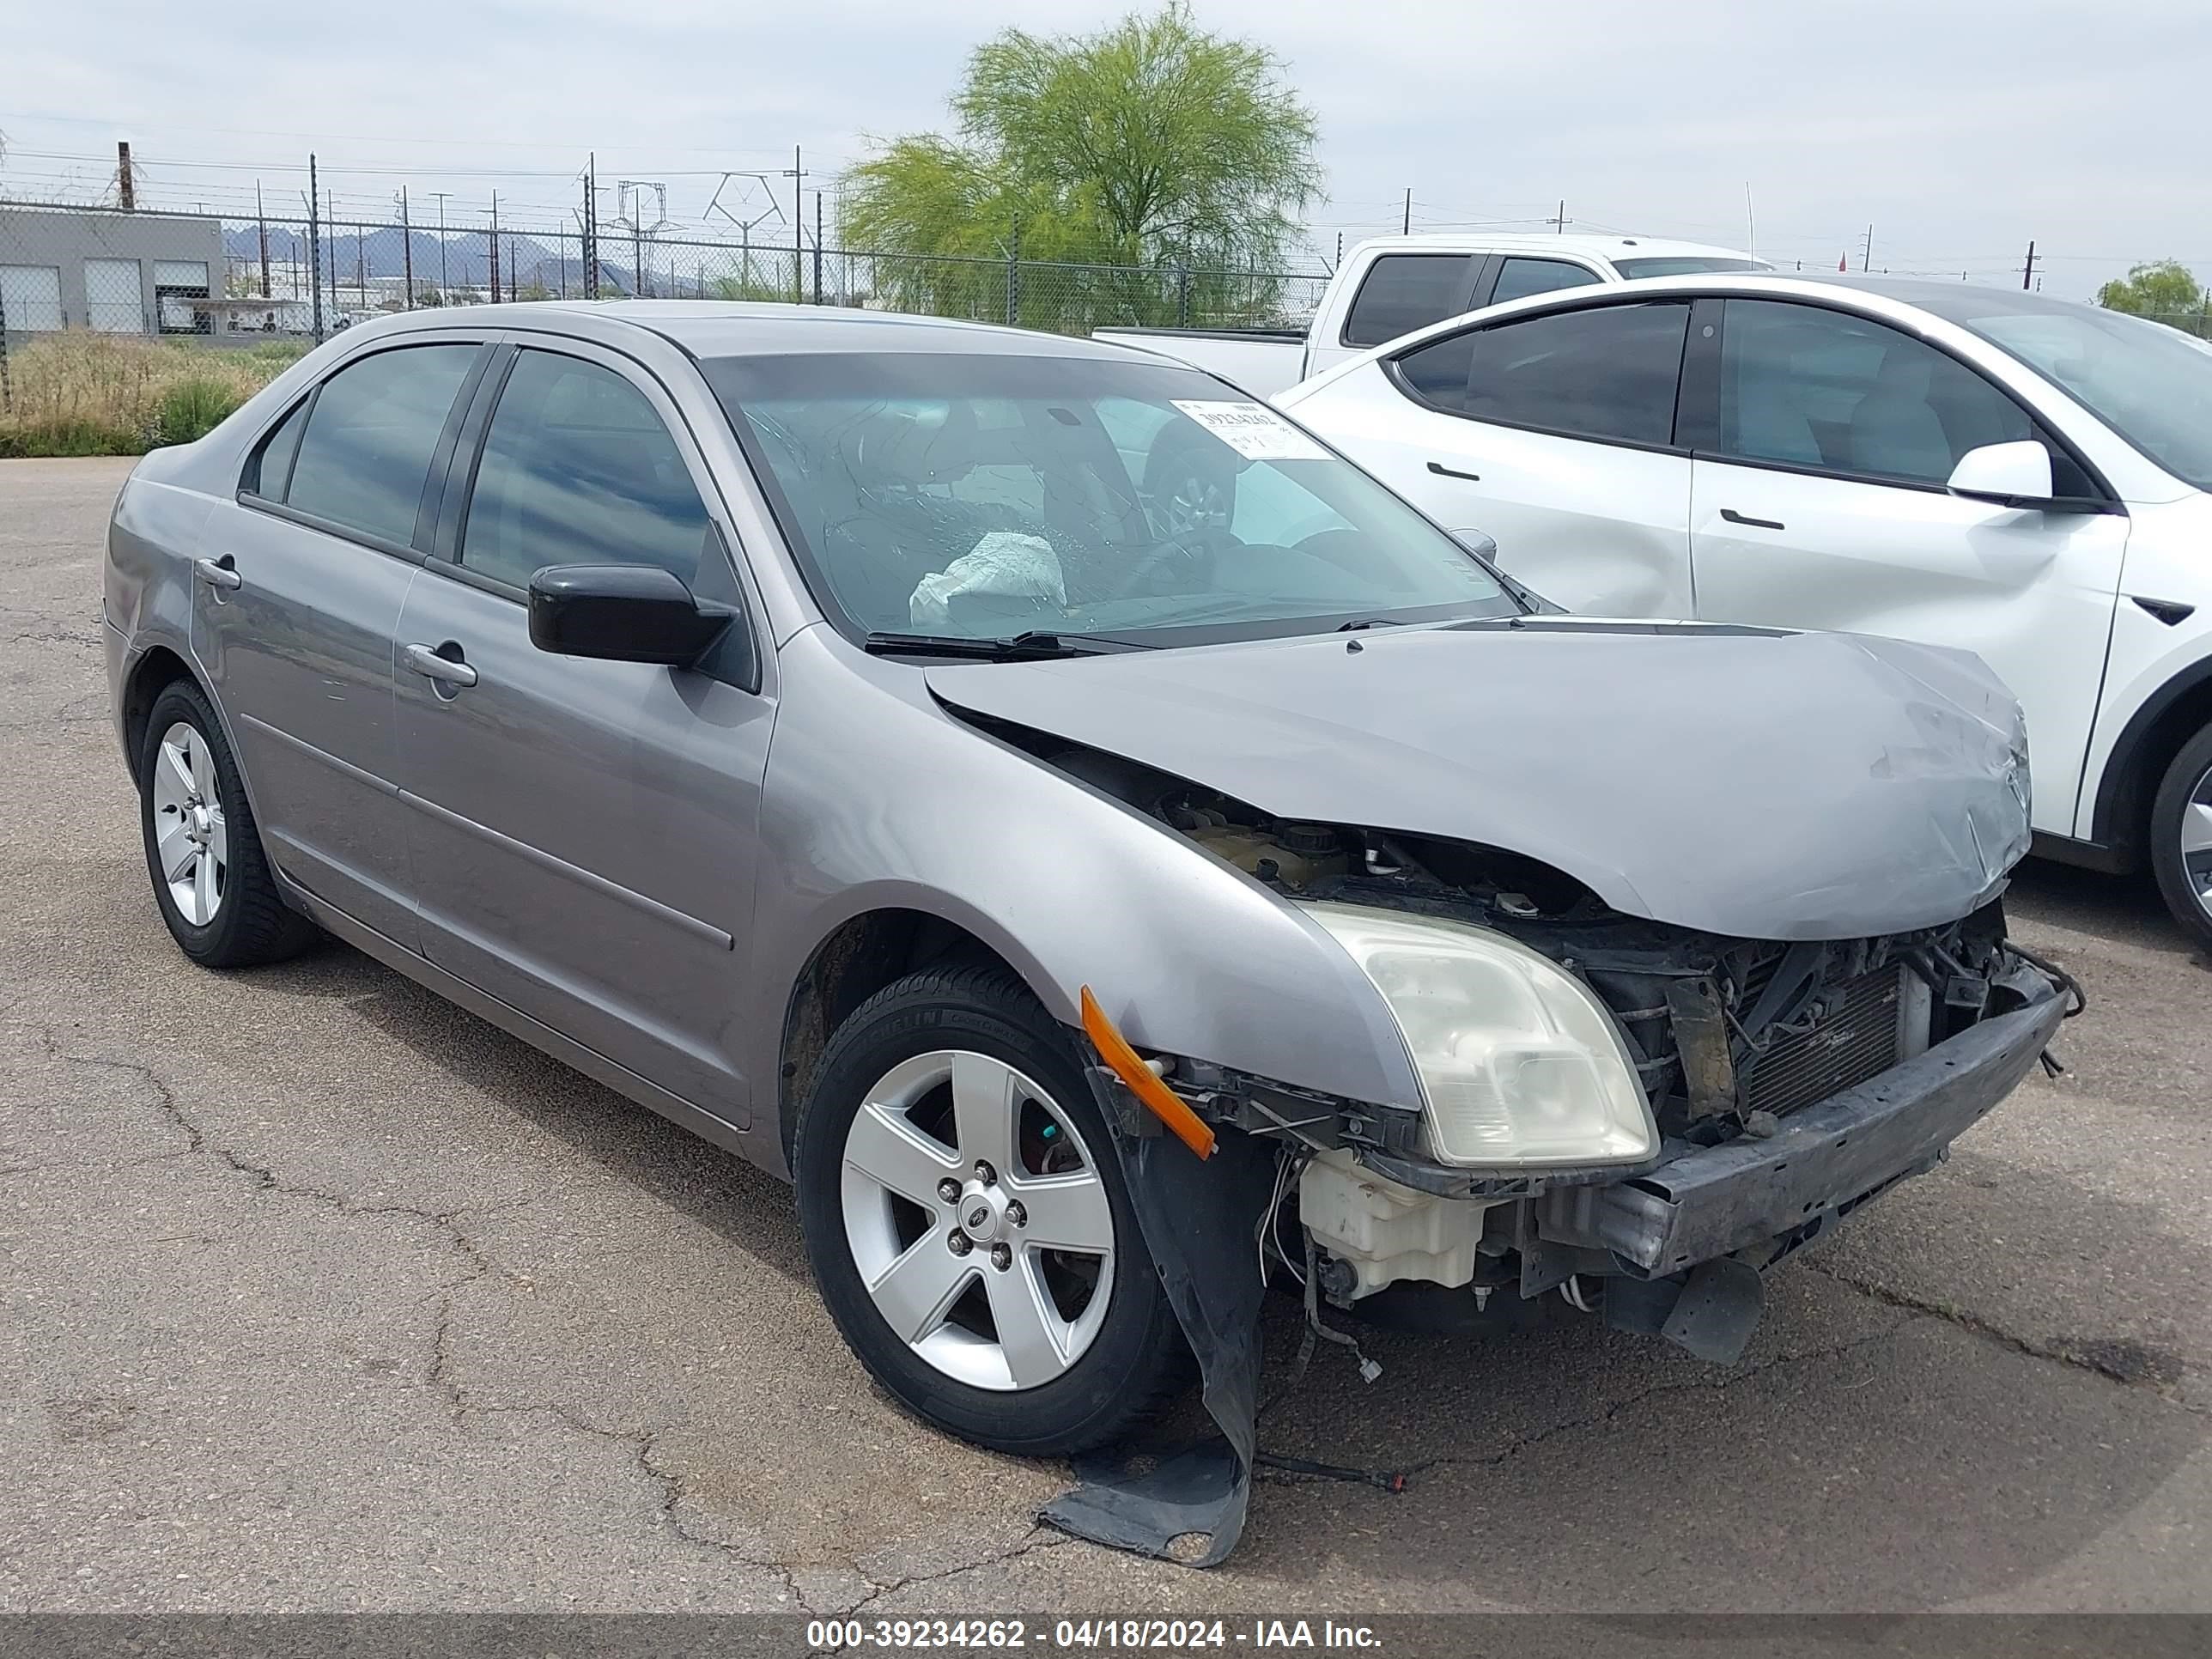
[969,1223]
[2181,838]
[212,880]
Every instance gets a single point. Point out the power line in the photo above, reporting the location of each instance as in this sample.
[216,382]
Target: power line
[137,118]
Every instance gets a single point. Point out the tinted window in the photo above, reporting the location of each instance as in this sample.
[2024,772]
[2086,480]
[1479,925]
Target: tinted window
[366,453]
[2149,383]
[577,469]
[1518,278]
[1406,291]
[1437,372]
[1606,372]
[271,467]
[1811,387]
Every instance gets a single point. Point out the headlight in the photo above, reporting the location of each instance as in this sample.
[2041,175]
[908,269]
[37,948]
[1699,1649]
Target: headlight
[1520,1065]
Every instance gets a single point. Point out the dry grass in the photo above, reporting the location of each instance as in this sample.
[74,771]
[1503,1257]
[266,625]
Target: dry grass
[82,393]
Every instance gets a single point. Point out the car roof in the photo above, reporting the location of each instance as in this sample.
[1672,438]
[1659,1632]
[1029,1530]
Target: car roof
[1604,247]
[720,328]
[1933,294]
[1906,301]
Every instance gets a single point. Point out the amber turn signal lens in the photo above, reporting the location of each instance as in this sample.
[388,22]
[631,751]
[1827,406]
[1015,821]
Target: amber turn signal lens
[1143,1082]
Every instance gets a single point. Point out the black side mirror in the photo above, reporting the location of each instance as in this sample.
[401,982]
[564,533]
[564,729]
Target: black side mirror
[622,613]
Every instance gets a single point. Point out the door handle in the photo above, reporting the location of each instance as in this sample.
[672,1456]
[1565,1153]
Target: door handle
[1735,517]
[431,665]
[218,573]
[1443,471]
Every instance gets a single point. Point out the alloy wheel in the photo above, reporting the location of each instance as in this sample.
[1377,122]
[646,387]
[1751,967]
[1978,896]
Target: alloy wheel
[191,842]
[977,1217]
[2196,842]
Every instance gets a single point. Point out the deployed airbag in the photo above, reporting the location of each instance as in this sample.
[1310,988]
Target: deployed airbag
[1004,565]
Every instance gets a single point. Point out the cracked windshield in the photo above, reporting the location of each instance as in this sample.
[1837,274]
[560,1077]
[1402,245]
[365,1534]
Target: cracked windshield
[1015,495]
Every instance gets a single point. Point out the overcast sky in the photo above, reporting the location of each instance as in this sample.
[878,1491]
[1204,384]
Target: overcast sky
[1957,128]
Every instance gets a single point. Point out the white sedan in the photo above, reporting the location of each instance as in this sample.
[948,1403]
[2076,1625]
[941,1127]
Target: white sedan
[2022,477]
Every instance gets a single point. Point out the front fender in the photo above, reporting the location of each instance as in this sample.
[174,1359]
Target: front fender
[877,798]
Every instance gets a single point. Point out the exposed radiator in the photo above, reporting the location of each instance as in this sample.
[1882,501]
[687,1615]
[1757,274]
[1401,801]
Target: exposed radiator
[1861,1033]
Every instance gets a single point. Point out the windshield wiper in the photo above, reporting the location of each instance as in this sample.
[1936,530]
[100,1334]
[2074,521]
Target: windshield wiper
[1361,624]
[1034,644]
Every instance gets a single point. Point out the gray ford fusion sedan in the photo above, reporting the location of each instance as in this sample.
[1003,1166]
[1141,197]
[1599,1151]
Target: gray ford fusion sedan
[1105,848]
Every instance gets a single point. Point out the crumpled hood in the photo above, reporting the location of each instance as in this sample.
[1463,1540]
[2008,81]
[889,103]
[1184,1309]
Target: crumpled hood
[1752,782]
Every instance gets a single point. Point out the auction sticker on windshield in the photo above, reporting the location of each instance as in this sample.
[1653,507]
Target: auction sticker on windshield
[1253,430]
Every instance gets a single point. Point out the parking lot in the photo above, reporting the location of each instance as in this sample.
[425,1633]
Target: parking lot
[320,1293]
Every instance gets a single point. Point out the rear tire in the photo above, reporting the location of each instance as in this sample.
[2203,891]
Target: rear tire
[1052,1352]
[212,880]
[2181,838]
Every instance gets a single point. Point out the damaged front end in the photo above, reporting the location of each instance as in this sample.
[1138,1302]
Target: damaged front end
[1616,1115]
[1786,1084]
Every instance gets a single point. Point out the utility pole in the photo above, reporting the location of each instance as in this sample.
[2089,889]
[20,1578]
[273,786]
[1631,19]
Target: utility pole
[818,247]
[632,200]
[1866,259]
[590,247]
[315,245]
[2028,271]
[746,226]
[1559,224]
[361,262]
[126,193]
[261,219]
[445,284]
[1405,225]
[797,223]
[493,248]
[406,249]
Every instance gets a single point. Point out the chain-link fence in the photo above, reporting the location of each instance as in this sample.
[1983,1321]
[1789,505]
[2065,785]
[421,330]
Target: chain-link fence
[225,279]
[2198,322]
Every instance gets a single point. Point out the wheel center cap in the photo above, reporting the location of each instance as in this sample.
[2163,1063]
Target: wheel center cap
[982,1212]
[200,821]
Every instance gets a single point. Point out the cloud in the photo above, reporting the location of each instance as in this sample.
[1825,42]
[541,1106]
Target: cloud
[1957,128]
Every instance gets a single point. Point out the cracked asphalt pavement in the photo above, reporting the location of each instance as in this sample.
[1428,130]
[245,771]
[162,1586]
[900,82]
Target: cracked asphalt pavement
[318,1293]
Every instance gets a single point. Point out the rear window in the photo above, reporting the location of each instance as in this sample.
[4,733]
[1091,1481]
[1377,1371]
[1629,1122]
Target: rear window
[1405,291]
[1519,278]
[1686,264]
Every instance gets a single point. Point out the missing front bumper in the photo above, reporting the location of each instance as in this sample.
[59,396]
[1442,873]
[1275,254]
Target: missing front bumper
[1824,1161]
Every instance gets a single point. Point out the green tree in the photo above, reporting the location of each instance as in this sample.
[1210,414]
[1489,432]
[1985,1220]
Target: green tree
[1152,142]
[2161,288]
[755,287]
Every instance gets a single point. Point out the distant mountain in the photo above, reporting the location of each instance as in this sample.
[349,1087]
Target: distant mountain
[460,261]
